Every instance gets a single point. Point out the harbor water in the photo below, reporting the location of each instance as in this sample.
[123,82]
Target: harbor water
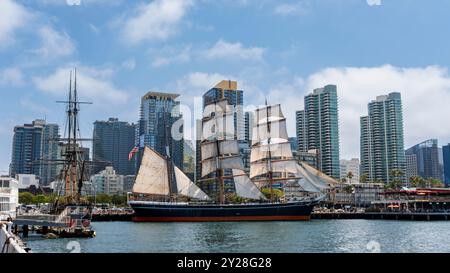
[341,236]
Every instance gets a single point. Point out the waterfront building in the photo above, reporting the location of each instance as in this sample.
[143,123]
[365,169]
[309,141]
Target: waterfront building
[128,182]
[160,116]
[112,142]
[9,196]
[411,166]
[352,166]
[382,140]
[27,181]
[359,194]
[317,127]
[427,159]
[108,182]
[34,147]
[446,162]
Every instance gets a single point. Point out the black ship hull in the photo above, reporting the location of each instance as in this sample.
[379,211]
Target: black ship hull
[176,212]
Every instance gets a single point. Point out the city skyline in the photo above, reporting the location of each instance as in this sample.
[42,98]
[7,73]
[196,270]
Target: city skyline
[118,64]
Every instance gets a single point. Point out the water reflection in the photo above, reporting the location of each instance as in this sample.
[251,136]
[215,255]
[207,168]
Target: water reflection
[314,236]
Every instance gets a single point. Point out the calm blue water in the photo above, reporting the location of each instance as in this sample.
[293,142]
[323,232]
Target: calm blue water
[314,236]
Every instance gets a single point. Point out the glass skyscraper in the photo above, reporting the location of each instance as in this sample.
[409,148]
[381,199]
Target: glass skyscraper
[34,146]
[317,128]
[160,118]
[112,142]
[427,159]
[382,140]
[446,159]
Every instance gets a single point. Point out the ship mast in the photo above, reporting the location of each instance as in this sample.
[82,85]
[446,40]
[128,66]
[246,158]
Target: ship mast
[269,158]
[74,165]
[219,146]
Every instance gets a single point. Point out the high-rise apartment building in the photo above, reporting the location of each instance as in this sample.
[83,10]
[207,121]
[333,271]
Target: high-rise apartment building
[382,140]
[112,142]
[34,147]
[161,125]
[317,128]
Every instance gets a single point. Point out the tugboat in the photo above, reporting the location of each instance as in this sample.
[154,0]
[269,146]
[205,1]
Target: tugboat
[163,193]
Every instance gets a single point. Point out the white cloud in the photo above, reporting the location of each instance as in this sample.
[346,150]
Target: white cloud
[225,50]
[129,64]
[157,20]
[13,17]
[54,44]
[168,55]
[93,84]
[425,94]
[301,7]
[11,77]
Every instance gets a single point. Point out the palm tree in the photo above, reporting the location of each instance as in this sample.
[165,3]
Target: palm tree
[350,176]
[343,180]
[417,181]
[397,182]
[363,178]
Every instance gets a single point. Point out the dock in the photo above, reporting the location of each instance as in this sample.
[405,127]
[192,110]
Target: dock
[410,216]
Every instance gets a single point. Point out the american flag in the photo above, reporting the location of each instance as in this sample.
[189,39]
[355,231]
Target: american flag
[132,153]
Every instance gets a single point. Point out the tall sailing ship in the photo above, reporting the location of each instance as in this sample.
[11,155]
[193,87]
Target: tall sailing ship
[71,188]
[163,193]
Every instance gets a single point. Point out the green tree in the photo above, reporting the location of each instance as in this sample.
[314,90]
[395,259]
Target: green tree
[363,178]
[344,180]
[103,198]
[435,183]
[276,193]
[396,182]
[417,182]
[350,176]
[39,199]
[25,198]
[119,199]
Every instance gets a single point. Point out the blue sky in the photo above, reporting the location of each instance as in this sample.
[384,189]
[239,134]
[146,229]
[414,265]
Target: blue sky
[275,49]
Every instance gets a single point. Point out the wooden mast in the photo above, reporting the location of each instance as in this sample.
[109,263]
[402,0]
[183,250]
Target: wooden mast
[269,159]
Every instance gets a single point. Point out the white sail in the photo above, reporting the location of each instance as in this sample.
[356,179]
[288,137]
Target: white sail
[315,177]
[245,187]
[218,108]
[276,150]
[152,177]
[187,188]
[226,147]
[231,162]
[274,112]
[277,130]
[284,166]
[219,127]
[307,186]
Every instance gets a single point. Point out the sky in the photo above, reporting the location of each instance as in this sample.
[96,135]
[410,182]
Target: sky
[275,49]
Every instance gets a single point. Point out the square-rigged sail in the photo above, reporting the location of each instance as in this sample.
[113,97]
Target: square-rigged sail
[271,154]
[220,149]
